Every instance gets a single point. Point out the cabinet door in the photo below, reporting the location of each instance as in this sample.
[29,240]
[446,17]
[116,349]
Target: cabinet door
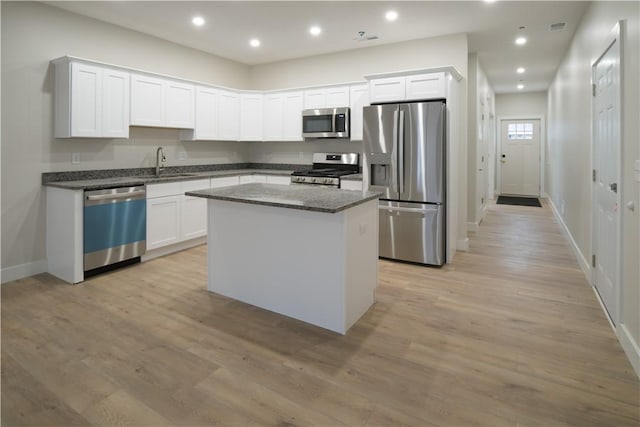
[86,100]
[147,100]
[292,116]
[425,86]
[163,221]
[115,104]
[251,117]
[387,89]
[194,217]
[359,97]
[179,105]
[315,98]
[228,115]
[206,114]
[337,96]
[273,118]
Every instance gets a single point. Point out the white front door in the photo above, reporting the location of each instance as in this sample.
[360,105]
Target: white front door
[606,154]
[520,158]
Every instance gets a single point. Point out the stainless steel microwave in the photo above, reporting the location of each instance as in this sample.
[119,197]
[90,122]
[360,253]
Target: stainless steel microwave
[326,123]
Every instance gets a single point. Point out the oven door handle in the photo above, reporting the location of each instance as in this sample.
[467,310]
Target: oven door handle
[117,196]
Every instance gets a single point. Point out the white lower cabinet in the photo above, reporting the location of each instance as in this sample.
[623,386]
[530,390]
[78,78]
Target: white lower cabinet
[163,221]
[248,179]
[173,217]
[278,179]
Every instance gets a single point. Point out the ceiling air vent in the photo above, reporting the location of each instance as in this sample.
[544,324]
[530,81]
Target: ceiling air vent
[558,26]
[364,37]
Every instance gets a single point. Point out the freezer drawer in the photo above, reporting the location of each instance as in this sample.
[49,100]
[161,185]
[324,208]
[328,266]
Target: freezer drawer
[412,232]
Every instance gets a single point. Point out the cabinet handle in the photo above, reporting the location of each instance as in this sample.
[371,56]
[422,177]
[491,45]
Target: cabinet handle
[117,195]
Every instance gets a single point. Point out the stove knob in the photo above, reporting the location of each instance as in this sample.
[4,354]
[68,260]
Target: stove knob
[327,180]
[313,180]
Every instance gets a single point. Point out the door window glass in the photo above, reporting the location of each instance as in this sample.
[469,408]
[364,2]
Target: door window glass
[517,131]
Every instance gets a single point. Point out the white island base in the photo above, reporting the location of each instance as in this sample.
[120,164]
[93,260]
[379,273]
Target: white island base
[317,267]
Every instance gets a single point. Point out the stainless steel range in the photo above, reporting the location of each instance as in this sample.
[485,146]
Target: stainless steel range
[327,169]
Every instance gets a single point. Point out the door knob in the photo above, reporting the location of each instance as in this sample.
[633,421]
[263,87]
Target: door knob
[631,206]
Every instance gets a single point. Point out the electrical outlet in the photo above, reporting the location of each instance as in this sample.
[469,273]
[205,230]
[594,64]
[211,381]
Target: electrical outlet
[182,155]
[75,158]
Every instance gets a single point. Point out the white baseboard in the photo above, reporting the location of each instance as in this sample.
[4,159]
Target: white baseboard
[463,244]
[631,348]
[473,226]
[585,266]
[166,250]
[21,271]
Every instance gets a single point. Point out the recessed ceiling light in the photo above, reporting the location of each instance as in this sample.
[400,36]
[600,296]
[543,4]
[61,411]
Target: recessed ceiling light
[391,15]
[315,30]
[489,1]
[521,40]
[520,70]
[520,86]
[254,42]
[198,21]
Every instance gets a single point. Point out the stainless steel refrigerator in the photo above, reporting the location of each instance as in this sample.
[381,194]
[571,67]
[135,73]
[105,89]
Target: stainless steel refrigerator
[404,158]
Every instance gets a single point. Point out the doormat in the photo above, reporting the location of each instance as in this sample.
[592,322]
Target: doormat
[520,201]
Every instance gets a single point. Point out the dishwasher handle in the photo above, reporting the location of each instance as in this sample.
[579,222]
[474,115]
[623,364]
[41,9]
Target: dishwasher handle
[116,196]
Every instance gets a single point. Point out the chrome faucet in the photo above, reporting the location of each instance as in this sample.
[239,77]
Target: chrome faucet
[160,159]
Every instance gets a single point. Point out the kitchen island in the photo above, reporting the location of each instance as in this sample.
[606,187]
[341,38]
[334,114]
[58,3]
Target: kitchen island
[307,252]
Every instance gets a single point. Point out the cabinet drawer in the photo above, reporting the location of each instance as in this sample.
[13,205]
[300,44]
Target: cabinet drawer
[163,190]
[195,185]
[277,179]
[425,86]
[224,181]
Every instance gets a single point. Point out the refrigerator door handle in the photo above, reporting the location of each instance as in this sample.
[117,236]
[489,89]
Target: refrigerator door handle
[395,148]
[409,210]
[401,153]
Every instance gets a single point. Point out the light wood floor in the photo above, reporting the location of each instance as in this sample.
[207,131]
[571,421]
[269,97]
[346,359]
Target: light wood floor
[510,334]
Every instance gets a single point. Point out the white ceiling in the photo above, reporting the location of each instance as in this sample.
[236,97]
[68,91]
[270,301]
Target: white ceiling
[283,28]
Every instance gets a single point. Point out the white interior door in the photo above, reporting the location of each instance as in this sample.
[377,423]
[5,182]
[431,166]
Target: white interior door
[520,157]
[606,155]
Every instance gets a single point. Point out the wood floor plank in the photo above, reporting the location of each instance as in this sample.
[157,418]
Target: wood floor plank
[508,334]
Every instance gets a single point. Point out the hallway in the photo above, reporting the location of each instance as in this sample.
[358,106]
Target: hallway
[509,334]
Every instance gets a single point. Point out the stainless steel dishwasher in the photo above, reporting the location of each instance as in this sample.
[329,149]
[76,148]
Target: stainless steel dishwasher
[115,227]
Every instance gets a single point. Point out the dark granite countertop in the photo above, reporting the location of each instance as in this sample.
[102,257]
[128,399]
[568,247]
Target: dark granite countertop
[124,181]
[299,196]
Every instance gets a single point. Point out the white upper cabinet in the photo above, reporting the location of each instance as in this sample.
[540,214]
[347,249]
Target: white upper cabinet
[179,105]
[387,89]
[329,97]
[337,96]
[147,100]
[251,111]
[282,117]
[273,117]
[415,87]
[359,99]
[228,115]
[115,104]
[293,104]
[90,101]
[161,102]
[425,86]
[206,116]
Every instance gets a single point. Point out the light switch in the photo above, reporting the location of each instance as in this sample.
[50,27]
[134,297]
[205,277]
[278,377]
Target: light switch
[182,155]
[75,158]
[637,170]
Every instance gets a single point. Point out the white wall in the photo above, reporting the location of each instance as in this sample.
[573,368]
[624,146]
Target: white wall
[480,142]
[569,141]
[32,35]
[521,104]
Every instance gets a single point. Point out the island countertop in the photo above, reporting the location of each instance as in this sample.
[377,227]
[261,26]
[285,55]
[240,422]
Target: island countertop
[297,196]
